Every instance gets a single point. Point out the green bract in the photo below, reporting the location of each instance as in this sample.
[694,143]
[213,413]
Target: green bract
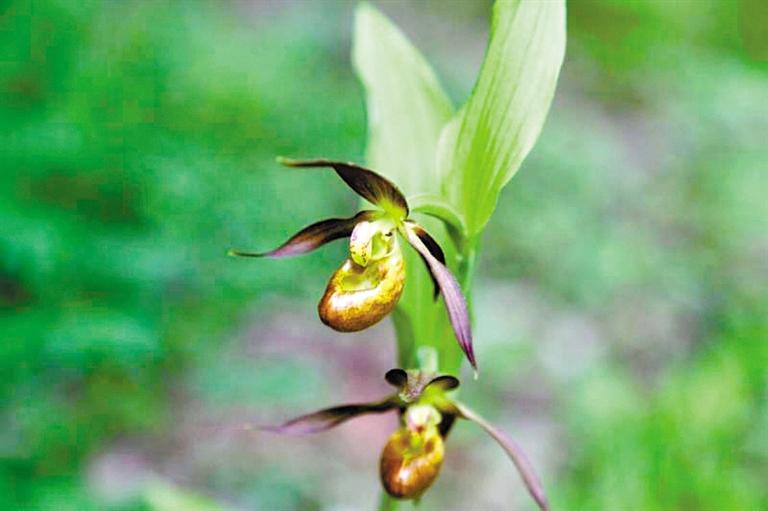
[483,146]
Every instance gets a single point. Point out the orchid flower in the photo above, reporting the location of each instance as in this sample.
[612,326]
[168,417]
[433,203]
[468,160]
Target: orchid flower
[369,283]
[413,455]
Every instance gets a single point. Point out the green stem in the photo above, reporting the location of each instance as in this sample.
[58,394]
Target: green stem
[467,272]
[467,267]
[440,352]
[387,503]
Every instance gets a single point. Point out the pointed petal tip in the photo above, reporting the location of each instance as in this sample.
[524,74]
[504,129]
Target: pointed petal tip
[262,428]
[287,162]
[289,429]
[470,351]
[239,253]
[466,343]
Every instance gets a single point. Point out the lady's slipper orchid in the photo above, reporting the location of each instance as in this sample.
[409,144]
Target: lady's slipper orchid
[369,283]
[412,457]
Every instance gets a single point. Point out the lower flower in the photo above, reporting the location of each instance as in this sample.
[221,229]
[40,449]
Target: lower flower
[413,455]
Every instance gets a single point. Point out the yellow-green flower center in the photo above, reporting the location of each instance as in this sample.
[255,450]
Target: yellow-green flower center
[372,241]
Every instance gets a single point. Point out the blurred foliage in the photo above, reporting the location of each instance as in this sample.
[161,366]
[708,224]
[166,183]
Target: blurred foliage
[134,154]
[137,143]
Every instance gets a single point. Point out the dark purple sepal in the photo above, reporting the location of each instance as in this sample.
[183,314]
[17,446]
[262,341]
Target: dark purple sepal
[434,249]
[331,417]
[397,377]
[454,299]
[514,452]
[312,237]
[373,187]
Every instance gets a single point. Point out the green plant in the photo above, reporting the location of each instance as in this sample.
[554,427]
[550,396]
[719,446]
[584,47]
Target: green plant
[451,166]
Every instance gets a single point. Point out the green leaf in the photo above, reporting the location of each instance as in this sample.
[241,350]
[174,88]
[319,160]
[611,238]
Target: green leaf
[407,107]
[437,207]
[483,147]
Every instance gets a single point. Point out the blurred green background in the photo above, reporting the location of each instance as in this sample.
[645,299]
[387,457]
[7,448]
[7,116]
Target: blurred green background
[622,311]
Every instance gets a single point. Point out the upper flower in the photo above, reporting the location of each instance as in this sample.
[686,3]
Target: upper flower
[412,457]
[369,283]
